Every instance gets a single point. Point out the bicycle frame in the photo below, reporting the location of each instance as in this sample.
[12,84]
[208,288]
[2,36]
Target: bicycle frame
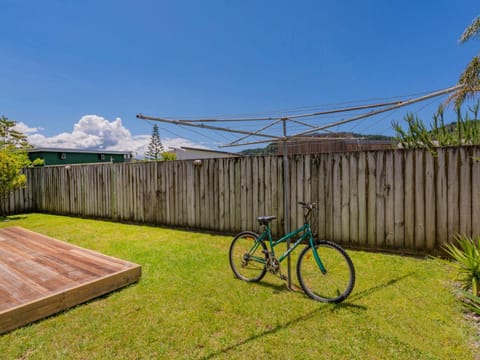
[324,269]
[307,233]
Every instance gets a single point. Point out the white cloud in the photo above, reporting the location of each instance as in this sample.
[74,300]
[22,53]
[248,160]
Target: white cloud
[96,132]
[25,129]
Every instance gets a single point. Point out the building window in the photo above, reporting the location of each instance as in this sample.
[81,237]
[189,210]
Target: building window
[102,157]
[63,156]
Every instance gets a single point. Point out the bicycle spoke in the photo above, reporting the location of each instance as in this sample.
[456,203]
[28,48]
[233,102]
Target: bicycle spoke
[246,258]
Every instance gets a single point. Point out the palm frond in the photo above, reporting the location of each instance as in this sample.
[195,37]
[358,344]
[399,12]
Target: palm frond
[470,79]
[473,30]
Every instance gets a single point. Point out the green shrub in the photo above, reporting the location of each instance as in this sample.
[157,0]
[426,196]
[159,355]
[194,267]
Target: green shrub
[38,162]
[467,261]
[168,156]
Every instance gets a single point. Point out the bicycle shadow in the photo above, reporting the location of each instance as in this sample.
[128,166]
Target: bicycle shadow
[283,287]
[277,288]
[371,290]
[330,307]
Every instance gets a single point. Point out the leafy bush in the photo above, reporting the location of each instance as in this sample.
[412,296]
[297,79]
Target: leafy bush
[11,178]
[168,156]
[38,162]
[13,158]
[467,261]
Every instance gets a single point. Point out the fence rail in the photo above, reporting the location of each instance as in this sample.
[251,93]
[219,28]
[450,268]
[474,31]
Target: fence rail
[405,200]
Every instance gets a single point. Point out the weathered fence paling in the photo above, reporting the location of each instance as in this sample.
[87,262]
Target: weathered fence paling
[406,200]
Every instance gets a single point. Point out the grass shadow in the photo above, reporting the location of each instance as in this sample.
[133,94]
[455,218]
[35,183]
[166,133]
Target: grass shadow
[265,333]
[16,217]
[327,307]
[12,218]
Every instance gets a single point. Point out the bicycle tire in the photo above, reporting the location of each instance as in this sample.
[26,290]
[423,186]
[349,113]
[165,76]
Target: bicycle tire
[239,255]
[337,283]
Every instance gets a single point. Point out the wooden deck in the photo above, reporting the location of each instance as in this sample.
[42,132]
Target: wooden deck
[40,276]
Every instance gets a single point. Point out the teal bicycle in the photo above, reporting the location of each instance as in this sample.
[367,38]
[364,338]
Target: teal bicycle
[324,269]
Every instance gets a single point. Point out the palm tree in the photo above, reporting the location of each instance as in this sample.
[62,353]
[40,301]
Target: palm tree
[470,78]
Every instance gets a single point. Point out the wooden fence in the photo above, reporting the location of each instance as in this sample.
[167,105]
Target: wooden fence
[403,200]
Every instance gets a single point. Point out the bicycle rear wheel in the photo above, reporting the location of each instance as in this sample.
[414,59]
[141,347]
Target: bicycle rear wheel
[338,281]
[246,257]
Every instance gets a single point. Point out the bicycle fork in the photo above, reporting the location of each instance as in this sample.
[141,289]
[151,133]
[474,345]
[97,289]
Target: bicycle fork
[317,259]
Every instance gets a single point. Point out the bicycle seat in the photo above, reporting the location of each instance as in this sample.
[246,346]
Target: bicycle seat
[264,220]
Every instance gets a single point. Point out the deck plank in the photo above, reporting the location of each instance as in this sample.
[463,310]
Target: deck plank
[40,276]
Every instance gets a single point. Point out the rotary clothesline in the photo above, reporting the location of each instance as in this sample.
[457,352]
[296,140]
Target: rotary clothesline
[379,108]
[269,137]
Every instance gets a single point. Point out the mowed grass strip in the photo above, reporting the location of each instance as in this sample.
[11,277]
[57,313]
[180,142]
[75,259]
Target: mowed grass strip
[189,305]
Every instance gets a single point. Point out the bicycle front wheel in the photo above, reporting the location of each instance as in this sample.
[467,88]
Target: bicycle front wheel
[336,283]
[248,257]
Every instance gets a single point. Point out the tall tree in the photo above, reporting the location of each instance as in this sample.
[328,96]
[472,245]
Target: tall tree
[470,78]
[155,147]
[9,137]
[13,158]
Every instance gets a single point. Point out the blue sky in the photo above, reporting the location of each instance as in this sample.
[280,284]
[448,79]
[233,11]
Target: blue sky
[70,69]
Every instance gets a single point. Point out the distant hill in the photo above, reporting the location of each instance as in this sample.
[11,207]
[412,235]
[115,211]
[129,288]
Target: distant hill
[351,135]
[452,127]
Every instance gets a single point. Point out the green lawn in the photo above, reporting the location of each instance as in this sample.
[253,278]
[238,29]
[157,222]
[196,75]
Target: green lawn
[189,305]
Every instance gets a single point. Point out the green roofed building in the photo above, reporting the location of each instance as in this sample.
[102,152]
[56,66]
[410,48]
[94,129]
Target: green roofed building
[52,156]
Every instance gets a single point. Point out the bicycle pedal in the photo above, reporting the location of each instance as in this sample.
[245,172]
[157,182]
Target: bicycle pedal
[284,277]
